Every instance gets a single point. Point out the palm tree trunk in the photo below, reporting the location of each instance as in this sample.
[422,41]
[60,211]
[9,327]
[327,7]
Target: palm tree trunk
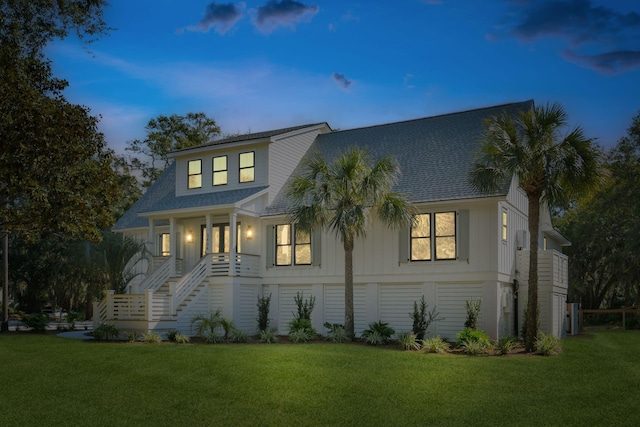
[348,287]
[531,322]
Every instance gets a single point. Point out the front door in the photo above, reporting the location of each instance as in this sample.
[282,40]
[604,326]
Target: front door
[221,239]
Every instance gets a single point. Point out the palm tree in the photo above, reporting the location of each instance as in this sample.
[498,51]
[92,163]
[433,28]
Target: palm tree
[550,167]
[343,196]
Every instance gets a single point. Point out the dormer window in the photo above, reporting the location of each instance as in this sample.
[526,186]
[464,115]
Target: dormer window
[195,174]
[247,167]
[220,170]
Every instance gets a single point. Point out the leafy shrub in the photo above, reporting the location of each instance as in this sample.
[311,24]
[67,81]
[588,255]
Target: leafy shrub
[151,338]
[38,322]
[423,318]
[374,338]
[434,345]
[378,333]
[473,311]
[213,338]
[305,307]
[300,330]
[504,345]
[238,335]
[171,334]
[547,345]
[268,336]
[408,341]
[336,332]
[263,312]
[72,317]
[182,338]
[132,336]
[472,335]
[106,331]
[475,348]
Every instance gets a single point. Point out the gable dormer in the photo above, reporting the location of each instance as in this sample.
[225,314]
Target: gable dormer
[244,161]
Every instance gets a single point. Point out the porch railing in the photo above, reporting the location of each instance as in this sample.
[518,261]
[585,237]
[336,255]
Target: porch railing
[159,276]
[244,265]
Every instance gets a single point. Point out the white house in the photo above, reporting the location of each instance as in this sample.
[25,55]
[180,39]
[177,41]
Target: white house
[216,224]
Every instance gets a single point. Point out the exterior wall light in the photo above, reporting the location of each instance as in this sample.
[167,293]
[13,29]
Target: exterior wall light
[189,237]
[249,233]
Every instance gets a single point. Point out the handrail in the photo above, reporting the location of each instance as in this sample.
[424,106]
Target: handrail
[159,276]
[191,281]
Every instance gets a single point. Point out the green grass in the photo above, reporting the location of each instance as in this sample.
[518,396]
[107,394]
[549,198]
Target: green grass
[46,380]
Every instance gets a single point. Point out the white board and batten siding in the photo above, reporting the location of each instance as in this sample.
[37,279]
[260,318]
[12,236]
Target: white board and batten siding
[452,305]
[334,306]
[396,304]
[247,308]
[284,156]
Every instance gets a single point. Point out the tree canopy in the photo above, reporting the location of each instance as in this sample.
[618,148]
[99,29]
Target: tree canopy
[551,167]
[604,229]
[166,134]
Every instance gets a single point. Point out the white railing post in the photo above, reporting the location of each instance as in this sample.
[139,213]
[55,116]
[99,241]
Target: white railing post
[110,304]
[96,315]
[148,305]
[172,299]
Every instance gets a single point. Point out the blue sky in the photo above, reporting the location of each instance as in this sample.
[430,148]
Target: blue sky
[259,65]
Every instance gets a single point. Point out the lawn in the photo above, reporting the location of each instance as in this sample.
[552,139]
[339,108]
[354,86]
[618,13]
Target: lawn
[47,380]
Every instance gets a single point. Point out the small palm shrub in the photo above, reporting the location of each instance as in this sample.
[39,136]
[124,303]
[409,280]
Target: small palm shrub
[378,333]
[434,345]
[336,332]
[151,338]
[268,336]
[504,345]
[408,341]
[475,348]
[181,338]
[228,327]
[106,331]
[132,337]
[547,345]
[206,326]
[472,335]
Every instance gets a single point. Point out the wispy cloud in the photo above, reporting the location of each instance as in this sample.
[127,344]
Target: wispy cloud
[286,13]
[342,81]
[222,17]
[597,37]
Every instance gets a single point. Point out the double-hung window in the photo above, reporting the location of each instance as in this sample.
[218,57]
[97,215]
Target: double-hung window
[505,224]
[293,246]
[194,174]
[433,237]
[220,170]
[247,167]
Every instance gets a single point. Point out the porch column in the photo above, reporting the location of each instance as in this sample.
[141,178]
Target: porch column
[174,244]
[151,239]
[209,233]
[233,248]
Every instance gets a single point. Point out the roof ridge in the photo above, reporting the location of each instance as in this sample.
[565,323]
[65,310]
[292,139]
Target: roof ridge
[505,105]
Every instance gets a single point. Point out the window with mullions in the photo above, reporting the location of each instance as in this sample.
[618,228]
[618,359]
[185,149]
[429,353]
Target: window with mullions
[220,170]
[421,238]
[434,237]
[445,235]
[292,246]
[195,174]
[247,167]
[505,224]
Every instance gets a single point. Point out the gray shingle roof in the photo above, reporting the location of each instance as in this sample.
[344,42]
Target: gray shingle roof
[161,197]
[434,153]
